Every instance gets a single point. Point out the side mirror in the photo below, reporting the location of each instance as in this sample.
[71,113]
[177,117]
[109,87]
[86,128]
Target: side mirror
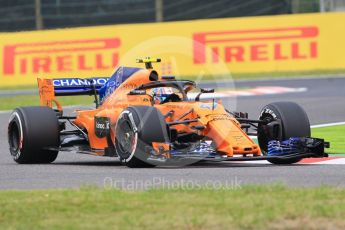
[187,88]
[207,90]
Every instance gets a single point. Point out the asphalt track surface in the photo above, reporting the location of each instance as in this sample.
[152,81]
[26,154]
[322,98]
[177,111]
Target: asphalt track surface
[324,102]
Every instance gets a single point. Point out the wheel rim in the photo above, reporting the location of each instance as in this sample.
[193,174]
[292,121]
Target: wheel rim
[126,139]
[14,138]
[263,139]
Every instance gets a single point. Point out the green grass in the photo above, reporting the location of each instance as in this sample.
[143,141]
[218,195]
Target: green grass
[9,103]
[335,135]
[248,207]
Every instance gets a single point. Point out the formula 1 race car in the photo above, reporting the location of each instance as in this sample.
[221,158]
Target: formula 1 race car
[146,119]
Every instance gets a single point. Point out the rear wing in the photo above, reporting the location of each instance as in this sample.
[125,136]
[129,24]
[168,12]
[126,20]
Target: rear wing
[50,88]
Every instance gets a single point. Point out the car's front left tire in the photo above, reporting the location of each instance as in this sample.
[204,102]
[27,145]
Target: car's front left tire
[136,128]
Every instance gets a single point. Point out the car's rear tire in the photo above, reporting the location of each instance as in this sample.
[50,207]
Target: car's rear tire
[136,128]
[31,132]
[294,123]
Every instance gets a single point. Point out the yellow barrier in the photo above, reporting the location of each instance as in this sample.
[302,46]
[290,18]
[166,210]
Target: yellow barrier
[200,47]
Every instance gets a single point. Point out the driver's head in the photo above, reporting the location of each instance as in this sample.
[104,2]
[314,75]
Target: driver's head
[161,93]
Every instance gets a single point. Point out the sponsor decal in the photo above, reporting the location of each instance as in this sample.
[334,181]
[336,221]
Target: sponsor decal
[213,47]
[120,76]
[102,126]
[129,86]
[174,106]
[270,112]
[63,82]
[271,44]
[61,56]
[220,117]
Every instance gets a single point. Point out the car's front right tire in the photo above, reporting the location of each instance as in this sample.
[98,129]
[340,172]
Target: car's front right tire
[294,123]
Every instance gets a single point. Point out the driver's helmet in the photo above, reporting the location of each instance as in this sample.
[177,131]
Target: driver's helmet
[161,93]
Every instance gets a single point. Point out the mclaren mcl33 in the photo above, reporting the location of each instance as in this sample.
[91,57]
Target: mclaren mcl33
[146,119]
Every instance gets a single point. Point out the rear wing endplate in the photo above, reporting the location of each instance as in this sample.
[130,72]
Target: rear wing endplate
[50,88]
